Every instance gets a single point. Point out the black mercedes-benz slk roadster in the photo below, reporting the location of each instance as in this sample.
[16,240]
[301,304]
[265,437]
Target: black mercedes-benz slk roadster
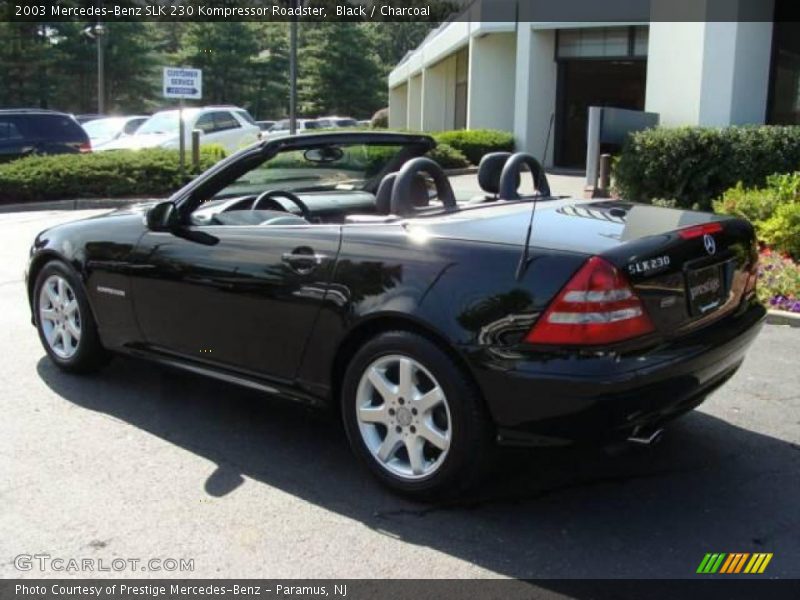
[340,270]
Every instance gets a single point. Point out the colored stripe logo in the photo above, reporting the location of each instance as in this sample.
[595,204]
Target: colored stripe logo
[735,562]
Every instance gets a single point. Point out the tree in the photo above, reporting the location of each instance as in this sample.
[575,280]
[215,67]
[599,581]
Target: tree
[339,72]
[225,52]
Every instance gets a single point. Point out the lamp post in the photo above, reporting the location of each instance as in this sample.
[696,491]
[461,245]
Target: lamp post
[293,70]
[100,31]
[97,32]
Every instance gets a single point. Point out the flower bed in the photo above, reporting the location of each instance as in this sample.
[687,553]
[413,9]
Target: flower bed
[779,281]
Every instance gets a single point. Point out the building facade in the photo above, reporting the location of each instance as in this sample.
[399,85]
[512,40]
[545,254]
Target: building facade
[515,75]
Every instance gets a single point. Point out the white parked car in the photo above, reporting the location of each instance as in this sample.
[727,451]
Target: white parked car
[228,126]
[109,129]
[302,125]
[334,122]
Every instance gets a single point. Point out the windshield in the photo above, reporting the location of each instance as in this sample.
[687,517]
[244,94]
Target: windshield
[163,122]
[322,168]
[104,128]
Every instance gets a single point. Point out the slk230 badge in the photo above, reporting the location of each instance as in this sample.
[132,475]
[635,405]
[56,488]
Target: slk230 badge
[644,267]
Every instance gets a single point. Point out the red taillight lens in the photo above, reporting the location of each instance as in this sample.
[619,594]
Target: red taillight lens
[696,231]
[597,306]
[85,147]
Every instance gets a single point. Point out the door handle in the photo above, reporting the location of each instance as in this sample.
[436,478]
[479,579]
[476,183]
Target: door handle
[291,258]
[303,260]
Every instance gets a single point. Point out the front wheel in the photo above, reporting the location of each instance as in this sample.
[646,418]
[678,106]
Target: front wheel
[414,417]
[64,320]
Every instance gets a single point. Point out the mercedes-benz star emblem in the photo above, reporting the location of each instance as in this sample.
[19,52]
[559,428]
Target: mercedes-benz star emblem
[710,244]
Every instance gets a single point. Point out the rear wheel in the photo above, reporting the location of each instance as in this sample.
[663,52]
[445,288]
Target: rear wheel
[65,323]
[414,417]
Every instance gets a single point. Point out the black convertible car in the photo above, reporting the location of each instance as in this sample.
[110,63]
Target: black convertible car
[339,270]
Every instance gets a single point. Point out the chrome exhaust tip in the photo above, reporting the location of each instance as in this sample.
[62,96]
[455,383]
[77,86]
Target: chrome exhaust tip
[645,436]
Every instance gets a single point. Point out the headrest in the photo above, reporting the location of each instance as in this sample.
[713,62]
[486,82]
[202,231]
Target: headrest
[490,169]
[383,199]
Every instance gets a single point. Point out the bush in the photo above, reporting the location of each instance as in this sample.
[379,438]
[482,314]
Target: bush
[448,157]
[774,210]
[117,173]
[782,230]
[693,165]
[380,120]
[474,143]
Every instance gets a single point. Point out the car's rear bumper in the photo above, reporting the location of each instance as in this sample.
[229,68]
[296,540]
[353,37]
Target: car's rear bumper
[545,399]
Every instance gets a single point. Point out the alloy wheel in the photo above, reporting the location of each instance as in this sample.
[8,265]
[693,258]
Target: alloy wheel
[60,316]
[403,417]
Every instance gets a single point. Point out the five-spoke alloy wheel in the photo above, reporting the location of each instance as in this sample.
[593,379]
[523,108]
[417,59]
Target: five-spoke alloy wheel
[414,416]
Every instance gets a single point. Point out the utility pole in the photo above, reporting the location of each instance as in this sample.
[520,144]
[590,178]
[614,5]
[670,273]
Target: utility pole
[293,70]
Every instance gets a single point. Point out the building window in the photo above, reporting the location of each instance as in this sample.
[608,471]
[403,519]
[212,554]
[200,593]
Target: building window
[602,42]
[462,82]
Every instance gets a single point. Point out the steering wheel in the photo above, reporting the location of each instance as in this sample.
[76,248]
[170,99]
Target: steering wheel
[270,195]
[510,177]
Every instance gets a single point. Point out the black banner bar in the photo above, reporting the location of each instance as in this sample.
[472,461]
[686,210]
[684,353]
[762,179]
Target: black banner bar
[520,11]
[731,587]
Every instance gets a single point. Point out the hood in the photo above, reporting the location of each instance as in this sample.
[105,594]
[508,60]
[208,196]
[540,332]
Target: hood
[139,141]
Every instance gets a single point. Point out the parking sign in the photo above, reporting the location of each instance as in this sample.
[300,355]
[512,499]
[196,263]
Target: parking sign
[183,83]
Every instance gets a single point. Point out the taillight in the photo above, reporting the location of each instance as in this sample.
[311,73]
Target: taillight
[85,147]
[597,306]
[696,231]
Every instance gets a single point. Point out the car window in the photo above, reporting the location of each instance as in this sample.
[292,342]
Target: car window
[132,125]
[312,125]
[223,120]
[281,125]
[205,123]
[247,117]
[348,167]
[9,131]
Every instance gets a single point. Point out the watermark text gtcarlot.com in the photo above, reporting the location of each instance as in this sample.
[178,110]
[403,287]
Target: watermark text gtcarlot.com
[46,562]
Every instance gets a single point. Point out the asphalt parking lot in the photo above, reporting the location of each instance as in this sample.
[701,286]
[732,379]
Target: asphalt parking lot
[141,462]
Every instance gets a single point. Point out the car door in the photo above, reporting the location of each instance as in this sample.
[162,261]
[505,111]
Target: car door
[12,141]
[228,130]
[242,297]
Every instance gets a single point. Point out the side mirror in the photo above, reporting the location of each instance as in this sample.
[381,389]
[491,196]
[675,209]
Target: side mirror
[160,217]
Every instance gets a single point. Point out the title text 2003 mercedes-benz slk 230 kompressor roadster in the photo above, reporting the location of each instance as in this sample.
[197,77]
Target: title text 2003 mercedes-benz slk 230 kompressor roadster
[339,269]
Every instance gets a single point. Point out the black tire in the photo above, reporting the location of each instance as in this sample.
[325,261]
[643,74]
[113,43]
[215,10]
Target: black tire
[89,354]
[471,433]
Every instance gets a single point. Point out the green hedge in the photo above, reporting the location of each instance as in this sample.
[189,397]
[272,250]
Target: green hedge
[694,165]
[448,157]
[474,143]
[117,173]
[774,210]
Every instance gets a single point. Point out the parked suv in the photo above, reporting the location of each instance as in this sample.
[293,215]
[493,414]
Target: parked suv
[229,126]
[35,131]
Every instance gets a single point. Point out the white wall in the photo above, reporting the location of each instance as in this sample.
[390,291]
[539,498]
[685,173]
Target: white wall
[414,119]
[438,101]
[398,107]
[535,90]
[492,80]
[708,73]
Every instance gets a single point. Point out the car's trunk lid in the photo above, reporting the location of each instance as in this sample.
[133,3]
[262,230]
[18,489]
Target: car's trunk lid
[688,267]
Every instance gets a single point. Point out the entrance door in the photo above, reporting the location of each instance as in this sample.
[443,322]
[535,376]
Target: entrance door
[585,83]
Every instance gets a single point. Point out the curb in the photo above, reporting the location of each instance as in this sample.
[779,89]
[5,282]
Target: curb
[74,204]
[464,171]
[782,317]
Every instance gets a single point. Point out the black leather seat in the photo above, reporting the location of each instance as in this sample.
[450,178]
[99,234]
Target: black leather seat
[383,199]
[489,171]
